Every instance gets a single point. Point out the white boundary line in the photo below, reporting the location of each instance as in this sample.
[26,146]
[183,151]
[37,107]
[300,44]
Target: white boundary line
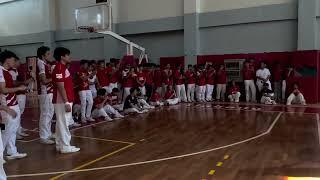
[156,160]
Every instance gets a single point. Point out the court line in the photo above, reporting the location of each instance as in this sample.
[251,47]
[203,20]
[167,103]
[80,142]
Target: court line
[107,140]
[318,125]
[156,160]
[93,161]
[266,105]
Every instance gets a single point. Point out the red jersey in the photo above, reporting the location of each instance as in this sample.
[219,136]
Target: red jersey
[221,77]
[98,100]
[157,76]
[141,78]
[44,68]
[178,77]
[166,74]
[83,85]
[113,99]
[248,74]
[15,76]
[167,81]
[115,77]
[191,78]
[234,89]
[210,77]
[103,77]
[128,81]
[9,99]
[155,97]
[60,73]
[169,95]
[201,79]
[149,77]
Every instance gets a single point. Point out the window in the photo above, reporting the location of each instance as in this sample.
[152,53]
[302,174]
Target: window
[234,68]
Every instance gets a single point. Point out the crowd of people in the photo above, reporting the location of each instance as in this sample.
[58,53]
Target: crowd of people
[108,91]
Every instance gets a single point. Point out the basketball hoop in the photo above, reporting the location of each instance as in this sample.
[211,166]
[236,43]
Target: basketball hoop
[88,29]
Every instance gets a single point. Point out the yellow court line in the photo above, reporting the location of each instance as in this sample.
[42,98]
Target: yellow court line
[107,140]
[94,161]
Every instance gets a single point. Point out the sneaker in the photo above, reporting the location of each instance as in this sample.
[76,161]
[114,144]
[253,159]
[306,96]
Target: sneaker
[23,134]
[108,119]
[144,111]
[16,156]
[46,141]
[90,120]
[152,107]
[76,125]
[19,137]
[83,121]
[119,116]
[53,136]
[71,149]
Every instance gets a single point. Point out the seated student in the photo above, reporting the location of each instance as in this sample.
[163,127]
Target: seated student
[131,104]
[170,96]
[155,99]
[234,92]
[102,108]
[114,100]
[142,101]
[267,95]
[296,97]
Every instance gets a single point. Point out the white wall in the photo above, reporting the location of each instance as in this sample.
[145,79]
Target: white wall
[220,5]
[24,17]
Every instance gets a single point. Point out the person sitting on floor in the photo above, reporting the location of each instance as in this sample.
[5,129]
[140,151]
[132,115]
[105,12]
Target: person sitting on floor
[267,95]
[114,100]
[170,96]
[234,92]
[102,108]
[296,97]
[141,100]
[155,99]
[131,104]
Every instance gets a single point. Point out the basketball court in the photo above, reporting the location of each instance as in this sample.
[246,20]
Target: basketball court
[188,141]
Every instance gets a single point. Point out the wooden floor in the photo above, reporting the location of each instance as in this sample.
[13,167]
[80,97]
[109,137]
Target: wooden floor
[187,142]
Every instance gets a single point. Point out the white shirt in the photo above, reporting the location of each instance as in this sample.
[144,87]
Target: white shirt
[263,73]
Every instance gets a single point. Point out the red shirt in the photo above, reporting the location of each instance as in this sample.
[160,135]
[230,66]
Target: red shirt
[83,85]
[210,77]
[113,99]
[248,74]
[103,78]
[157,78]
[115,77]
[277,75]
[234,89]
[201,79]
[168,95]
[191,79]
[60,73]
[179,79]
[155,97]
[97,101]
[221,77]
[168,81]
[149,77]
[15,77]
[166,74]
[9,99]
[44,68]
[128,81]
[141,78]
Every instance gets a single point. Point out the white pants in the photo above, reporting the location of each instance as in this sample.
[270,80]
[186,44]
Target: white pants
[76,109]
[112,86]
[93,92]
[172,101]
[267,100]
[22,105]
[63,136]
[126,93]
[143,90]
[181,92]
[260,85]
[103,112]
[234,97]
[293,99]
[201,91]
[158,103]
[11,128]
[221,91]
[107,88]
[209,91]
[250,89]
[159,90]
[283,89]
[118,107]
[131,110]
[86,104]
[190,92]
[46,115]
[3,175]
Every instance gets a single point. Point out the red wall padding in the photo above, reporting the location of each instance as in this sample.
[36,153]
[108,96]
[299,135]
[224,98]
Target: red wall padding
[309,84]
[173,61]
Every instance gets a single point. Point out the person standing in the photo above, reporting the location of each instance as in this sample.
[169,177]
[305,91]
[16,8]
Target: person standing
[191,83]
[180,84]
[210,77]
[263,76]
[221,83]
[248,77]
[63,98]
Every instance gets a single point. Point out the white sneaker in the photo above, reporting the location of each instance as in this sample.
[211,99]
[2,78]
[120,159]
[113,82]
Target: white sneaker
[108,119]
[23,134]
[152,107]
[19,137]
[76,125]
[90,120]
[46,141]
[53,136]
[144,111]
[16,156]
[119,116]
[71,149]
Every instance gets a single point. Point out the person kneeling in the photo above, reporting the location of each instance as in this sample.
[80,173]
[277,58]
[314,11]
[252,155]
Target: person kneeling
[155,99]
[234,92]
[131,104]
[296,97]
[170,96]
[267,95]
[102,109]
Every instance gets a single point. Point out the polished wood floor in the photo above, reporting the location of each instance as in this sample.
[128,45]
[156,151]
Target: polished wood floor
[159,145]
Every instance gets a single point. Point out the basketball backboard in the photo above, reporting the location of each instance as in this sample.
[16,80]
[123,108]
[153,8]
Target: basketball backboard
[94,18]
